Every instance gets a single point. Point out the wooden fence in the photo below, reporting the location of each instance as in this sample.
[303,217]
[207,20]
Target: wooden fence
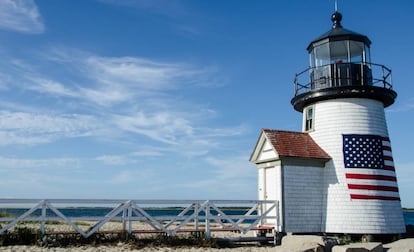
[200,215]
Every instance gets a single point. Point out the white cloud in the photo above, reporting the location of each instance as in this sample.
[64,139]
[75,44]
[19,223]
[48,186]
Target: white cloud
[117,160]
[33,128]
[132,157]
[105,96]
[109,81]
[20,15]
[54,163]
[121,99]
[52,87]
[133,71]
[226,132]
[148,152]
[126,78]
[160,126]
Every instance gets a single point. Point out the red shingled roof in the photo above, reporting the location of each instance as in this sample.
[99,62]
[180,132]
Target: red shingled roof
[295,144]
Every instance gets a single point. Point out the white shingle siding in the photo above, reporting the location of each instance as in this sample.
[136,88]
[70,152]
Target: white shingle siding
[332,119]
[302,204]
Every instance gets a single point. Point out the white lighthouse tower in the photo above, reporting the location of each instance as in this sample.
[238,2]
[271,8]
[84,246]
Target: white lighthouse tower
[338,174]
[343,110]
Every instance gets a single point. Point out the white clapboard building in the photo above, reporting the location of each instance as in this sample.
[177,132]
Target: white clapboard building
[337,175]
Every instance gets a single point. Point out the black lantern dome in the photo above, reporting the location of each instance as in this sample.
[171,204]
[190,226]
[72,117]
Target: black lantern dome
[340,67]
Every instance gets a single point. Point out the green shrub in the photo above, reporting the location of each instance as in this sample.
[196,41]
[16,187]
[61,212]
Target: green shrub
[28,236]
[19,236]
[5,214]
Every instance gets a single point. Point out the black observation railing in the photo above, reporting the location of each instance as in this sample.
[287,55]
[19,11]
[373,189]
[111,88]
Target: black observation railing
[342,74]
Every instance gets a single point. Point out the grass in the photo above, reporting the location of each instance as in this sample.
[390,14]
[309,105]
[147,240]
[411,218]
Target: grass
[5,214]
[29,236]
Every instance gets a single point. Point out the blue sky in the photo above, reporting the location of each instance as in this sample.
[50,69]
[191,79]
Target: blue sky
[165,99]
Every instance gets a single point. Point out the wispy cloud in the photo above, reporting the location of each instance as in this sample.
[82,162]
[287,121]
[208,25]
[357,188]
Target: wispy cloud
[117,160]
[31,128]
[125,78]
[52,87]
[108,81]
[134,71]
[7,163]
[110,97]
[161,126]
[21,16]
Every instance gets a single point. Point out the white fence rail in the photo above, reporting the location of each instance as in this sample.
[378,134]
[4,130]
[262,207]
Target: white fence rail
[199,215]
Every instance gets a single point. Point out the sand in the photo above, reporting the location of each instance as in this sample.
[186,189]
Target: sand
[123,247]
[401,245]
[110,226]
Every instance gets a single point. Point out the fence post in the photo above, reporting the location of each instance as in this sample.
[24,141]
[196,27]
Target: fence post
[124,219]
[196,213]
[278,225]
[207,221]
[129,219]
[43,221]
[260,212]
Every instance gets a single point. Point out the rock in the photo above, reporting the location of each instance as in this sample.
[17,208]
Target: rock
[306,243]
[403,245]
[359,247]
[303,247]
[292,240]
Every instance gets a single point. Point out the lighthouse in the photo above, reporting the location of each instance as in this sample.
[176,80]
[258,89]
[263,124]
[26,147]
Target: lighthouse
[338,174]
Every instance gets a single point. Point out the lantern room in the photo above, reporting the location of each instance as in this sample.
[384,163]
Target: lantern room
[338,60]
[340,57]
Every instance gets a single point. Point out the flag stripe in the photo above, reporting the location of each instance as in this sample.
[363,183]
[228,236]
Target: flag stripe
[388,163]
[374,192]
[389,168]
[373,187]
[386,148]
[372,182]
[370,176]
[373,197]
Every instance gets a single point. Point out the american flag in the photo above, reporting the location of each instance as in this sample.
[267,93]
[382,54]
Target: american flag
[369,166]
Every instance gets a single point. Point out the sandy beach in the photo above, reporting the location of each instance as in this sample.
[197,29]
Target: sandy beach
[130,246]
[125,247]
[400,246]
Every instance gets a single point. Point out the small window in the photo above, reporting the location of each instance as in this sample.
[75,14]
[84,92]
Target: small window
[309,118]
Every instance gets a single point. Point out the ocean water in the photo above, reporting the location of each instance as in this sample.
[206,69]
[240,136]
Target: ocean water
[102,211]
[409,217]
[78,212]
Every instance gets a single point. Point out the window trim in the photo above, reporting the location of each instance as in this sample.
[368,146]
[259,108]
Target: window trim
[309,121]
